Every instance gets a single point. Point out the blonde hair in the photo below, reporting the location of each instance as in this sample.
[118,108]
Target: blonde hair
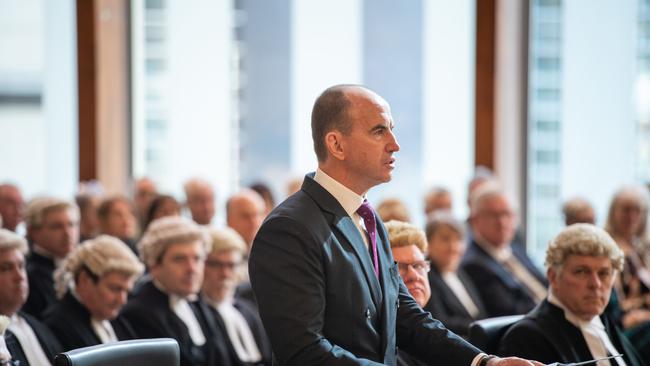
[226,240]
[393,209]
[583,239]
[166,231]
[11,240]
[39,207]
[402,234]
[98,256]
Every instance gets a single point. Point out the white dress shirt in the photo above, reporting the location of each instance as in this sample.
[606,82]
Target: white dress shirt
[181,307]
[104,330]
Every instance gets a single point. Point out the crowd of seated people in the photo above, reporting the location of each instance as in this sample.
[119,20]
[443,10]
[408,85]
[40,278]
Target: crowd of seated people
[107,268]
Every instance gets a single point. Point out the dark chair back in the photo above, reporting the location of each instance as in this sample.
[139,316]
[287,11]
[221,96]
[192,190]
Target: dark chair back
[487,333]
[139,352]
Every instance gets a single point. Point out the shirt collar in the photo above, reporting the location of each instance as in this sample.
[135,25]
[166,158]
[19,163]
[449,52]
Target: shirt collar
[349,200]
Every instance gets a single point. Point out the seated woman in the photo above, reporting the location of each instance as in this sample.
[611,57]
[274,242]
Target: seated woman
[627,224]
[454,300]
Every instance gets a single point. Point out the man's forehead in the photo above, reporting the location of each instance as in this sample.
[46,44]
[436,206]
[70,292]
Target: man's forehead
[7,253]
[588,260]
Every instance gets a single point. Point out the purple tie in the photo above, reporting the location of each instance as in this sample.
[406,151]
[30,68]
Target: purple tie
[368,216]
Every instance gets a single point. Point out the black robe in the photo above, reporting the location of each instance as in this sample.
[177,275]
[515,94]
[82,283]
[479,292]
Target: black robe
[40,270]
[46,338]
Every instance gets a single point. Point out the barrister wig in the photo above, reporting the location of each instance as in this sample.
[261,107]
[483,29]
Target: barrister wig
[38,207]
[402,234]
[11,240]
[226,240]
[166,231]
[583,239]
[98,256]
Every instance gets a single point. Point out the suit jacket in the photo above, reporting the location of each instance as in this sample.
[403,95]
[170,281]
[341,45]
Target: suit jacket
[320,300]
[446,307]
[495,283]
[47,340]
[69,320]
[545,335]
[151,316]
[41,284]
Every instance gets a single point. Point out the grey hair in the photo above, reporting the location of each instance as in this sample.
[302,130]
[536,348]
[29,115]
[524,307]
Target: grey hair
[583,239]
[11,240]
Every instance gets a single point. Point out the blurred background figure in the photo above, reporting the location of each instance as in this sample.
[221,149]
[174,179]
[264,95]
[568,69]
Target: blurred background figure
[393,209]
[200,200]
[578,210]
[161,206]
[11,206]
[144,191]
[266,194]
[438,198]
[245,211]
[293,185]
[223,271]
[627,221]
[455,301]
[117,218]
[88,219]
[53,228]
[92,284]
[498,265]
[408,245]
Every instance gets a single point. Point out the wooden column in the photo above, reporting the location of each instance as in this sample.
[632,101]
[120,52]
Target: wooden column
[485,82]
[104,92]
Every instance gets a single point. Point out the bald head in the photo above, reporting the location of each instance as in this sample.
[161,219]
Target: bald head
[245,212]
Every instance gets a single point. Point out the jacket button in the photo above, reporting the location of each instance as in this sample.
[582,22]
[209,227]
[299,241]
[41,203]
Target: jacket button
[368,313]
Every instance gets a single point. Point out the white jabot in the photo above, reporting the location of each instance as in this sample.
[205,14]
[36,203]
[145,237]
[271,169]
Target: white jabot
[239,331]
[505,256]
[183,310]
[593,332]
[104,330]
[28,341]
[349,200]
[457,287]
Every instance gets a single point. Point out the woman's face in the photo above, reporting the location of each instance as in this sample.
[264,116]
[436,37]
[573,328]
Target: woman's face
[627,215]
[446,248]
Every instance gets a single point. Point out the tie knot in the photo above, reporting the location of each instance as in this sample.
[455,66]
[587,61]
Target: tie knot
[365,210]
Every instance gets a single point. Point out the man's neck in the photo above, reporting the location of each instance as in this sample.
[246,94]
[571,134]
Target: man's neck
[343,178]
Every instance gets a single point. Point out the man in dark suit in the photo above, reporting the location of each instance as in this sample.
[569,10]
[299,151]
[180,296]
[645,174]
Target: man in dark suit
[327,287]
[570,325]
[174,250]
[94,282]
[499,267]
[28,340]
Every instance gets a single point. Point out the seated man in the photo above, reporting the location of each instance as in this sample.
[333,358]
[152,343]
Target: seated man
[28,340]
[223,269]
[53,228]
[408,245]
[117,218]
[174,250]
[200,200]
[496,263]
[93,283]
[569,326]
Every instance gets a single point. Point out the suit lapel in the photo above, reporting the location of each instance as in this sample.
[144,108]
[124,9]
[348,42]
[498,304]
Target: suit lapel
[347,228]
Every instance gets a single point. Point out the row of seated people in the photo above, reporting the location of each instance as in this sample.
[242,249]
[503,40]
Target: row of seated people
[187,293]
[570,324]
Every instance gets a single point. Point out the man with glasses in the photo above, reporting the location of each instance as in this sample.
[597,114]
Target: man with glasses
[498,266]
[223,270]
[408,245]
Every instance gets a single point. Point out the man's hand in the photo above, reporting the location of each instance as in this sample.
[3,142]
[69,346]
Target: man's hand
[512,361]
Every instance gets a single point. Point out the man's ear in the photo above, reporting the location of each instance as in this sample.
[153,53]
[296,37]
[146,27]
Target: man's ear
[334,143]
[552,275]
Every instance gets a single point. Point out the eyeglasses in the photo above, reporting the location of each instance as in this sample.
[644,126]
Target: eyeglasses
[421,267]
